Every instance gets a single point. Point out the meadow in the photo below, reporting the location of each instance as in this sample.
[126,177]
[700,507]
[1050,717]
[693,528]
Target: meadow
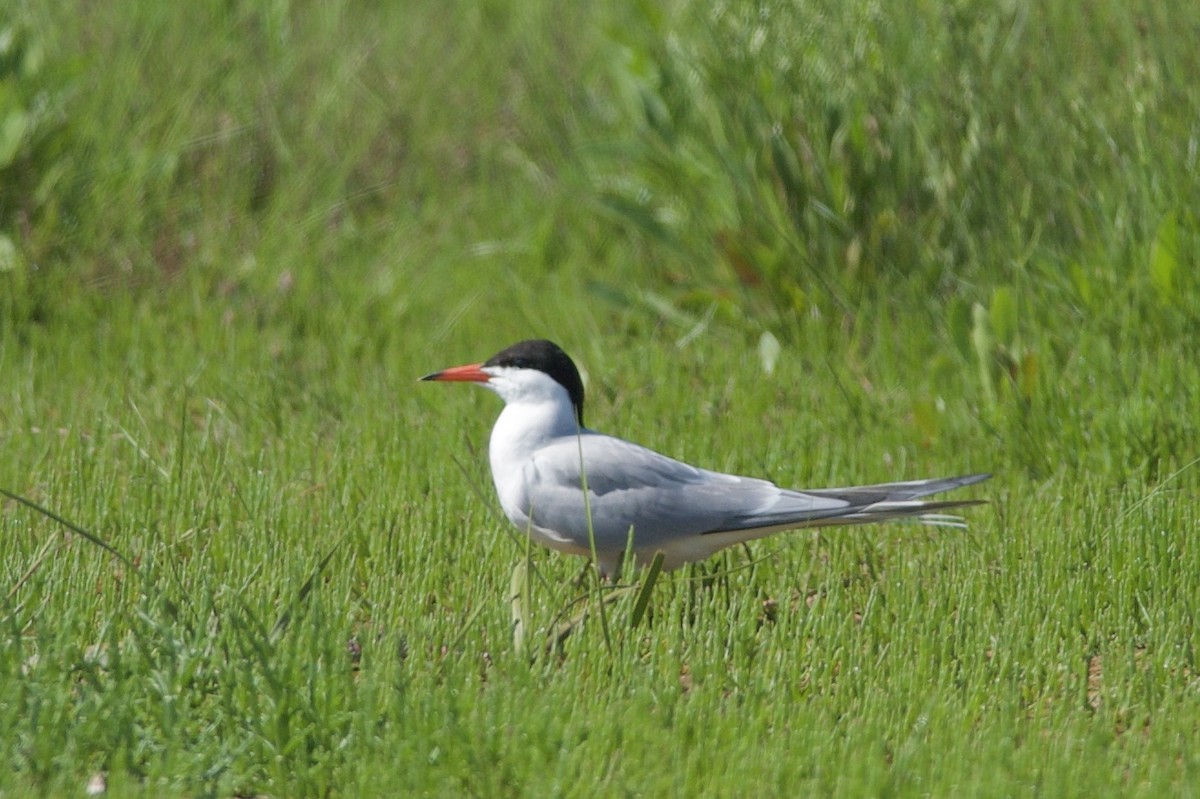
[243,552]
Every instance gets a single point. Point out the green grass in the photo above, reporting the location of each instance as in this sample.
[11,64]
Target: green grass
[232,237]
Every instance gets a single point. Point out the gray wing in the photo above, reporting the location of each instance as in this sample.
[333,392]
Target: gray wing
[660,498]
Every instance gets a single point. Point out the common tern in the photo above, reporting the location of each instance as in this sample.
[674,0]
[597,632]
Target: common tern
[542,458]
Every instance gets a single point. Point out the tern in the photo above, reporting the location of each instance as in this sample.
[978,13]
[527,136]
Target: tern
[578,491]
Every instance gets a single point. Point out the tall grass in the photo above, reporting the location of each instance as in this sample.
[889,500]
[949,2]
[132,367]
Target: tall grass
[232,236]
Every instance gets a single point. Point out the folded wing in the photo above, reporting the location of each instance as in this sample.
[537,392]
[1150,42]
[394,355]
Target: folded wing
[663,500]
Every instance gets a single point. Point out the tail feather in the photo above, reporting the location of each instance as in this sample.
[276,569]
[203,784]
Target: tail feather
[898,492]
[865,504]
[871,503]
[916,510]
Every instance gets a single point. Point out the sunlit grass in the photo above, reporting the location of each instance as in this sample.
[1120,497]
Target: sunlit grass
[243,233]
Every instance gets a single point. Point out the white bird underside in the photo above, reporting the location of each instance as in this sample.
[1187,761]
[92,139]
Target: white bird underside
[664,505]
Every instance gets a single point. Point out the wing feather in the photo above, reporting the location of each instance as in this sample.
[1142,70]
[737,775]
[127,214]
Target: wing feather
[659,498]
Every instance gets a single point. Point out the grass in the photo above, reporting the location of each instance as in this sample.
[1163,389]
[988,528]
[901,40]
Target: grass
[232,237]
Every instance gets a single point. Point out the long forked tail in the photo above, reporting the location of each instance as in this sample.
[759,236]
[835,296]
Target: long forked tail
[882,501]
[826,507]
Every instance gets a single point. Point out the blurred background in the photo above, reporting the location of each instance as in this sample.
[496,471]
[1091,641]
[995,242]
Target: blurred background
[333,177]
[992,201]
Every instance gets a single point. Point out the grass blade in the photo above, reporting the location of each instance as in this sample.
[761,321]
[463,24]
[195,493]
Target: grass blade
[286,617]
[648,583]
[75,528]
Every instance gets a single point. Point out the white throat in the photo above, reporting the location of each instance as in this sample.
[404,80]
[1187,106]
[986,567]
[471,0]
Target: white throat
[537,410]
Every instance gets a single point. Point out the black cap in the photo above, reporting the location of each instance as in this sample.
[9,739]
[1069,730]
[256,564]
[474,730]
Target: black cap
[548,357]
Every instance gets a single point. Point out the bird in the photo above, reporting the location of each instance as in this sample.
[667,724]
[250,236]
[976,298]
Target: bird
[582,492]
